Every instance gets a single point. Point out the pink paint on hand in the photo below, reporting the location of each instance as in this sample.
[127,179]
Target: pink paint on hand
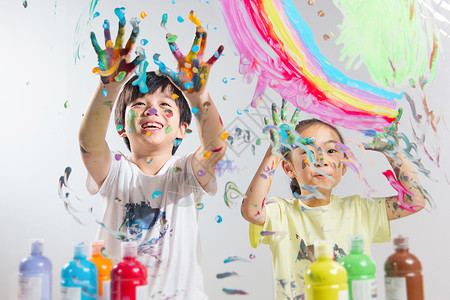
[401,192]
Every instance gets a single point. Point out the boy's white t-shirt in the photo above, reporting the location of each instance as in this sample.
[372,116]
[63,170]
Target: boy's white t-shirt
[158,212]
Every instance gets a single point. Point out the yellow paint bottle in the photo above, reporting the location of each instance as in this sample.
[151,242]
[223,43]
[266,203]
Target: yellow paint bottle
[325,278]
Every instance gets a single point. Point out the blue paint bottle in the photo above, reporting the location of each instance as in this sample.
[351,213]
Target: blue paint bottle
[79,276]
[35,274]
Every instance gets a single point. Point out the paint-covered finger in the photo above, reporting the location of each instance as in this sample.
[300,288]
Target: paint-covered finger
[266,120]
[174,48]
[196,77]
[107,33]
[216,55]
[195,47]
[295,117]
[201,50]
[283,110]
[129,67]
[120,37]
[275,118]
[95,44]
[133,36]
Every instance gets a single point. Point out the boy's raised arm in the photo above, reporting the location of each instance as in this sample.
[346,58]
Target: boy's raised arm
[114,71]
[191,78]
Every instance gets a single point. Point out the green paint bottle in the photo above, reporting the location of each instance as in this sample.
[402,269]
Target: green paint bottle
[362,284]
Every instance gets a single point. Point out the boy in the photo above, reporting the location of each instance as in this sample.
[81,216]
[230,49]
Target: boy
[150,196]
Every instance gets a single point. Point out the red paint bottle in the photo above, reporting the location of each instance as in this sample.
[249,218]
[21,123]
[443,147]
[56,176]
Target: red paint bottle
[129,277]
[403,273]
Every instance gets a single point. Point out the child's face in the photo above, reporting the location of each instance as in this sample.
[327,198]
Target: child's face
[328,159]
[153,120]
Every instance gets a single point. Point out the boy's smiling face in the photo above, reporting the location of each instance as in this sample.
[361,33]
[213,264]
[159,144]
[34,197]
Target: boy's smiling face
[328,159]
[153,121]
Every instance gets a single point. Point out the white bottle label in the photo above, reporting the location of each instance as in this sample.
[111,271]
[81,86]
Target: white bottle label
[106,289]
[364,289]
[142,292]
[343,295]
[30,288]
[70,293]
[395,288]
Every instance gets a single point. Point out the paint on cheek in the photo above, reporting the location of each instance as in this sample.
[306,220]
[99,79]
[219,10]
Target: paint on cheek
[168,113]
[305,163]
[131,116]
[169,129]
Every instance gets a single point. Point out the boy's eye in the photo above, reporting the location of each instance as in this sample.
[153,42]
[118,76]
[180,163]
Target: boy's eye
[165,104]
[332,151]
[138,103]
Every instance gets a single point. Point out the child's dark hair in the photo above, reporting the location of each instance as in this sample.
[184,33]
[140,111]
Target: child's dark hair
[302,125]
[131,92]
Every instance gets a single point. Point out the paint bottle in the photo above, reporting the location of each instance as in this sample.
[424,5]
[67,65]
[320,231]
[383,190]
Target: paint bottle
[79,276]
[35,274]
[104,267]
[362,283]
[403,273]
[325,278]
[129,277]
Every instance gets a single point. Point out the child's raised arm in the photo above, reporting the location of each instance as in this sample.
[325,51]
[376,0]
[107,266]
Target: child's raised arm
[114,71]
[252,206]
[192,79]
[410,198]
[413,199]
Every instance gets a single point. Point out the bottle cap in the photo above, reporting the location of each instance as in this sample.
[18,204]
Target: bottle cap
[356,243]
[80,249]
[401,242]
[129,249]
[96,246]
[36,246]
[323,249]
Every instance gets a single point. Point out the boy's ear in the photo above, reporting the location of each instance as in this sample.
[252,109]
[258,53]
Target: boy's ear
[121,133]
[182,130]
[288,169]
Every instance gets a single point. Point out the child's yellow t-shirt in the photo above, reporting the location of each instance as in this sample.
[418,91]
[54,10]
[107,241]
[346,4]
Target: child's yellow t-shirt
[291,227]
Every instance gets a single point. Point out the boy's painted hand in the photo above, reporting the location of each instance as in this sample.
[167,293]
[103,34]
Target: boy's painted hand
[193,72]
[112,61]
[387,140]
[281,132]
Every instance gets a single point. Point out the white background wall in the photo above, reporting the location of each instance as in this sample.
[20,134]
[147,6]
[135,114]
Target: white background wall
[39,139]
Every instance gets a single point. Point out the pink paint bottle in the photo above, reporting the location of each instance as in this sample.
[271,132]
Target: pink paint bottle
[129,277]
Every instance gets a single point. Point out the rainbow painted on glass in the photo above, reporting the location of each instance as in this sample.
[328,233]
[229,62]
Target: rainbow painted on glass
[278,47]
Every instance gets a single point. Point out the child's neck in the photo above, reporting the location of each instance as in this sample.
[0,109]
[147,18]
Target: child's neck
[315,202]
[150,163]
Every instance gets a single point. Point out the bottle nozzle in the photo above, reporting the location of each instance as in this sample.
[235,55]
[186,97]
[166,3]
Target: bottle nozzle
[129,249]
[401,242]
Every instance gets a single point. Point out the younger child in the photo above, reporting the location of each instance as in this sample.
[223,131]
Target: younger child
[290,226]
[151,196]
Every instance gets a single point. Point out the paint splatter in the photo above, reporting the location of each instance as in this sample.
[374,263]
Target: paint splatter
[232,192]
[218,219]
[234,292]
[164,19]
[233,259]
[180,19]
[226,275]
[199,206]
[156,194]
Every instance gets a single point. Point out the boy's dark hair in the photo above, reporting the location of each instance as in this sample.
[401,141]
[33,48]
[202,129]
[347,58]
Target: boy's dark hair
[131,92]
[302,125]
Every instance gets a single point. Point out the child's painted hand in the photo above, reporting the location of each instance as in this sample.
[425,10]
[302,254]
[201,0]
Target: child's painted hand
[112,62]
[193,72]
[387,140]
[281,132]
